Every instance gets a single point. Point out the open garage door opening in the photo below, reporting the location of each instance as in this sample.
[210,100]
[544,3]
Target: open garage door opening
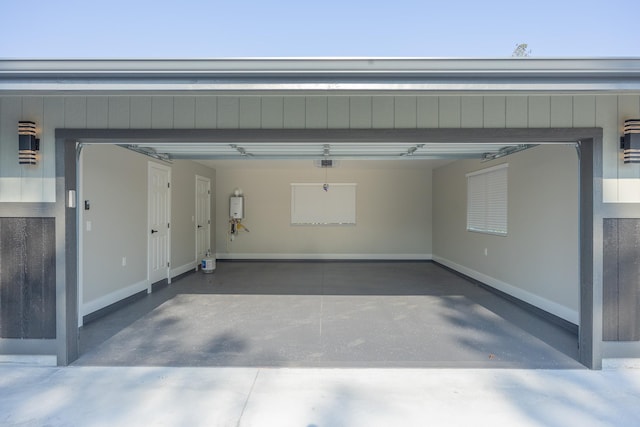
[408,283]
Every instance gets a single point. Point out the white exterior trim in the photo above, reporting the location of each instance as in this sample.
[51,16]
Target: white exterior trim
[622,363]
[299,75]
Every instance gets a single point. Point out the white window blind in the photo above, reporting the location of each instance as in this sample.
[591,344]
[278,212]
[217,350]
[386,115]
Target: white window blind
[487,200]
[311,204]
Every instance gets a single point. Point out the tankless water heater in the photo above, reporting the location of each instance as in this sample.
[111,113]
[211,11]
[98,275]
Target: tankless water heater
[236,207]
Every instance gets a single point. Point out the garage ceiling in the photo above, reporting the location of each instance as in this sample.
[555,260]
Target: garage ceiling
[320,151]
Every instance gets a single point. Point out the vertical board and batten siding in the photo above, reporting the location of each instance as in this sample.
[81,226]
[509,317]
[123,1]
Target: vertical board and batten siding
[27,278]
[36,183]
[621,269]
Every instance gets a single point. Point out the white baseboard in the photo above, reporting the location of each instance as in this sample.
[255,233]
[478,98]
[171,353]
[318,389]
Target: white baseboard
[113,297]
[183,269]
[123,293]
[535,300]
[309,256]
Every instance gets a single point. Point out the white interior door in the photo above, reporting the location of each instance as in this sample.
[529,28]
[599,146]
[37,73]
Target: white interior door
[203,217]
[159,222]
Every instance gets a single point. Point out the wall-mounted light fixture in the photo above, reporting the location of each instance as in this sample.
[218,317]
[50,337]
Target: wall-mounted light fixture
[29,145]
[630,142]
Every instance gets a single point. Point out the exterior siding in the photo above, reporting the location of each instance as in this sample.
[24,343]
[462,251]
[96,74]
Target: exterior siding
[36,184]
[27,278]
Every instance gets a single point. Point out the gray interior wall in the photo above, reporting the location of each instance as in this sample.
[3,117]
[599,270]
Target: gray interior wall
[393,212]
[538,260]
[115,183]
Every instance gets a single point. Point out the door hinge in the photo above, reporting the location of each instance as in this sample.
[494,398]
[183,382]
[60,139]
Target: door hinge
[208,191]
[209,221]
[168,185]
[168,225]
[168,264]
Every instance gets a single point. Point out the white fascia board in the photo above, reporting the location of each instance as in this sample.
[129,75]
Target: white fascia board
[312,75]
[81,87]
[321,66]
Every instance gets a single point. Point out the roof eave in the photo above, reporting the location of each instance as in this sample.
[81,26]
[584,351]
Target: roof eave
[313,75]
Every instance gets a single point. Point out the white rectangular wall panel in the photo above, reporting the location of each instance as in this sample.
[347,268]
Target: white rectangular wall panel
[228,112]
[495,111]
[184,112]
[517,112]
[471,112]
[294,112]
[561,111]
[75,112]
[272,112]
[97,112]
[206,112]
[405,112]
[360,112]
[383,111]
[449,114]
[539,111]
[119,112]
[316,112]
[162,112]
[250,112]
[584,111]
[427,111]
[311,204]
[141,112]
[338,112]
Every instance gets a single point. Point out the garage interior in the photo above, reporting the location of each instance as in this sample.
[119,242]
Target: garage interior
[365,295]
[327,314]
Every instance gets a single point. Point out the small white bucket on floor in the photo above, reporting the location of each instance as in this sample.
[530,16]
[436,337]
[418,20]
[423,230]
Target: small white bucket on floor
[208,265]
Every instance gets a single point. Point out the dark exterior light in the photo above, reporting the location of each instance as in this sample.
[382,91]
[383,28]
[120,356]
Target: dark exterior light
[29,145]
[630,142]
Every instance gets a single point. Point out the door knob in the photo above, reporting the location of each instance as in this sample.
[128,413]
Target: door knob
[199,226]
[153,231]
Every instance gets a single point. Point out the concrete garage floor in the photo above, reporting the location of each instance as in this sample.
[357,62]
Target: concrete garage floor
[326,314]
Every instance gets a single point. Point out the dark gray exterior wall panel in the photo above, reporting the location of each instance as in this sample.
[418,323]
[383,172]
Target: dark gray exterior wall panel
[628,279]
[610,280]
[38,346]
[621,279]
[27,278]
[10,272]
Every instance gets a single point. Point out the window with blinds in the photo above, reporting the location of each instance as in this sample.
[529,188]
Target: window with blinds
[487,200]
